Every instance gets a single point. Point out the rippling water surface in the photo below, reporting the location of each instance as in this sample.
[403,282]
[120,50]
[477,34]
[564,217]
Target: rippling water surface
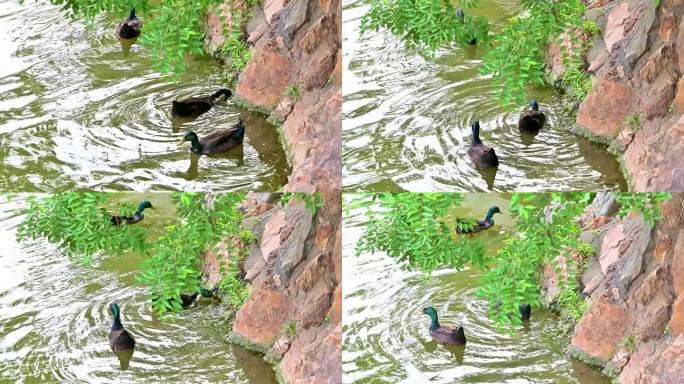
[54,319]
[386,334]
[407,121]
[75,112]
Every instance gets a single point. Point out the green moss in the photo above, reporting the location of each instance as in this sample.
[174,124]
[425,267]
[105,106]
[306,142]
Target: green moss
[582,356]
[234,338]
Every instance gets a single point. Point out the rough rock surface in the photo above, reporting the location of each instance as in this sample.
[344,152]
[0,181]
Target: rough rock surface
[637,98]
[294,272]
[635,321]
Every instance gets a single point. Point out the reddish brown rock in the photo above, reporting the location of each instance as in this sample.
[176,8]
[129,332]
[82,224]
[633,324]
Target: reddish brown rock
[676,324]
[601,330]
[678,265]
[680,47]
[263,315]
[679,97]
[264,87]
[315,357]
[606,107]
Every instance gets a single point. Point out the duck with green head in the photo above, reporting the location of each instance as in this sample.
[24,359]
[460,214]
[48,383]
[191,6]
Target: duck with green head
[189,299]
[119,338]
[217,142]
[474,226]
[444,335]
[460,15]
[137,216]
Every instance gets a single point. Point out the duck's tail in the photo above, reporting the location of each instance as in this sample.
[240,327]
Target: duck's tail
[225,92]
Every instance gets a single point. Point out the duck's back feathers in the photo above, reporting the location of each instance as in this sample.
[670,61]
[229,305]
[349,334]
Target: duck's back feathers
[130,28]
[483,156]
[449,335]
[532,121]
[121,340]
[195,106]
[224,140]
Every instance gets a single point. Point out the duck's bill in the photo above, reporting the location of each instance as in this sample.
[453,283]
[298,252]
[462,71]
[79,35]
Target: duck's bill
[181,142]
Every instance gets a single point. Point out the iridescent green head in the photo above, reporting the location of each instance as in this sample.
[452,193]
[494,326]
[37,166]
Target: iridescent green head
[116,312]
[491,212]
[144,205]
[434,323]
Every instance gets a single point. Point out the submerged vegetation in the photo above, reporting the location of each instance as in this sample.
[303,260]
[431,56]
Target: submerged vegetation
[171,29]
[517,54]
[79,225]
[413,229]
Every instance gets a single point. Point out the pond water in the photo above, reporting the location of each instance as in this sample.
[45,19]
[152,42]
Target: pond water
[386,335]
[54,318]
[406,121]
[76,112]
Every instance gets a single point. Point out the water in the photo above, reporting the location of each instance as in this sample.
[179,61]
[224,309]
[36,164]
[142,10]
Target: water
[54,319]
[75,112]
[386,335]
[407,121]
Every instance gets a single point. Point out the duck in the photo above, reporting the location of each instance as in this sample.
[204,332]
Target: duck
[444,335]
[195,106]
[130,28]
[469,226]
[482,155]
[525,311]
[216,142]
[461,17]
[119,338]
[532,120]
[137,216]
[189,299]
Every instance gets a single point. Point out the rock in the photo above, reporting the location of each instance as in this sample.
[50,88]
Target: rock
[296,15]
[315,357]
[265,78]
[638,235]
[678,265]
[257,25]
[271,7]
[610,249]
[217,258]
[606,107]
[680,47]
[214,37]
[654,364]
[601,330]
[263,315]
[270,240]
[676,324]
[679,98]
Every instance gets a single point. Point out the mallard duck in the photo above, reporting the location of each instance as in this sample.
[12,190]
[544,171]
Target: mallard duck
[119,338]
[532,120]
[187,299]
[525,311]
[475,226]
[195,106]
[137,216]
[444,335]
[129,29]
[482,155]
[216,142]
[461,17]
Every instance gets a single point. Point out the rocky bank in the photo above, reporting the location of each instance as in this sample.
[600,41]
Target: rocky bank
[636,103]
[634,325]
[293,313]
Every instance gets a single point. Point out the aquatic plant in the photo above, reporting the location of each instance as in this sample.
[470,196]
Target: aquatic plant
[171,29]
[517,57]
[412,228]
[79,225]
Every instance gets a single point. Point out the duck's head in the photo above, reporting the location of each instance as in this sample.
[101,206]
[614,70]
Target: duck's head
[132,16]
[144,205]
[114,308]
[476,132]
[190,136]
[207,293]
[430,311]
[492,211]
[535,105]
[460,15]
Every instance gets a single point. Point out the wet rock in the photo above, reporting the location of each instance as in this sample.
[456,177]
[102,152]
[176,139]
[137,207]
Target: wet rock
[601,330]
